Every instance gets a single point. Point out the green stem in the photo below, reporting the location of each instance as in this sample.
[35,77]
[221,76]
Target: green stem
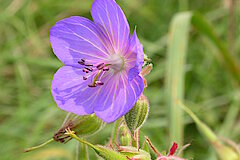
[231,117]
[210,135]
[39,146]
[82,151]
[81,140]
[115,130]
[137,138]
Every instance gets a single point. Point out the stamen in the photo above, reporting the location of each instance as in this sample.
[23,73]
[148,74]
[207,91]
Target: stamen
[81,62]
[106,69]
[99,83]
[100,66]
[85,70]
[88,65]
[89,69]
[92,85]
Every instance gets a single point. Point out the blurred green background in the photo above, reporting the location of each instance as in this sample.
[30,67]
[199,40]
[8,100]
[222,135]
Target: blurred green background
[29,116]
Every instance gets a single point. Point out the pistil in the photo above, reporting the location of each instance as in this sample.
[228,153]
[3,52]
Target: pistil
[95,79]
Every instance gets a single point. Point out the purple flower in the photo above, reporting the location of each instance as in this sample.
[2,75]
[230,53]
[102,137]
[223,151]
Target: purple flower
[102,63]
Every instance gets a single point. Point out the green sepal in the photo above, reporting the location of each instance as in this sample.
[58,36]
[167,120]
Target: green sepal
[124,135]
[88,125]
[108,154]
[83,126]
[133,152]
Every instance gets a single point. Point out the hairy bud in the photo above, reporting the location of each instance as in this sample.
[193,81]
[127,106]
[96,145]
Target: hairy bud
[136,117]
[124,135]
[82,125]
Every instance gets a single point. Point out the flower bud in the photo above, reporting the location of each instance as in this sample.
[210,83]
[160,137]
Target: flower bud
[124,135]
[136,117]
[224,151]
[134,153]
[82,125]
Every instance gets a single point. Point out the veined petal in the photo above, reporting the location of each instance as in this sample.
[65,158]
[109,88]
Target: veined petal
[118,97]
[135,51]
[111,19]
[109,91]
[75,38]
[69,90]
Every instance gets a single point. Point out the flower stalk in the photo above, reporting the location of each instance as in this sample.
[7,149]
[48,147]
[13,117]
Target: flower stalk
[39,146]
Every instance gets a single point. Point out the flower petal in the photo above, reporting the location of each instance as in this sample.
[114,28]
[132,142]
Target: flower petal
[135,50]
[118,97]
[110,101]
[75,38]
[69,90]
[111,19]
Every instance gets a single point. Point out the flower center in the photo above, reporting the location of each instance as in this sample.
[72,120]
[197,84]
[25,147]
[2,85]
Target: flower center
[117,62]
[92,70]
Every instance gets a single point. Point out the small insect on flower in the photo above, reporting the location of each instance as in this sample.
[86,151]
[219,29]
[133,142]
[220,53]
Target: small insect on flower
[102,63]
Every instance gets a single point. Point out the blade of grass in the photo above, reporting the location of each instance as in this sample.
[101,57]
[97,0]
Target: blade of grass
[224,152]
[40,62]
[230,117]
[183,5]
[23,78]
[177,49]
[225,56]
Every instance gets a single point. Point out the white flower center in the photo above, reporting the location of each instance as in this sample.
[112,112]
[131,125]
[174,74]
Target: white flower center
[116,62]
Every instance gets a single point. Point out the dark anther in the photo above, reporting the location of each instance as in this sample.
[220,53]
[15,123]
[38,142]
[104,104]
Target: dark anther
[81,62]
[91,85]
[84,78]
[100,66]
[106,69]
[89,69]
[99,83]
[88,65]
[85,70]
